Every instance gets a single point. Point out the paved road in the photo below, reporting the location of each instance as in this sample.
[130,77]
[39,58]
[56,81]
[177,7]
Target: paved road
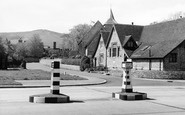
[96,100]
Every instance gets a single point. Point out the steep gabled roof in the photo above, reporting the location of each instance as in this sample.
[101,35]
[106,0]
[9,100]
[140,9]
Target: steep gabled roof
[92,47]
[105,36]
[91,34]
[111,20]
[126,40]
[107,27]
[164,31]
[126,30]
[157,50]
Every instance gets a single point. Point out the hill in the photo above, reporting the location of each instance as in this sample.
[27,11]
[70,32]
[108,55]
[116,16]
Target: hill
[47,37]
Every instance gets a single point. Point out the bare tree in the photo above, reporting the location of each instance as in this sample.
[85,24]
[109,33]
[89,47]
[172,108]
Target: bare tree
[79,31]
[173,16]
[35,46]
[21,51]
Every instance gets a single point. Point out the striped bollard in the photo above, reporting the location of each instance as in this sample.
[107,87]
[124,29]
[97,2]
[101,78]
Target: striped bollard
[127,83]
[127,92]
[55,77]
[54,96]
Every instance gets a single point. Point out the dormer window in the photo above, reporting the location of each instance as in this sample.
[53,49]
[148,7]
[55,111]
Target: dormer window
[130,44]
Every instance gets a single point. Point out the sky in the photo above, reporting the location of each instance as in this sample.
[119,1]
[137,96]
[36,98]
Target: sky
[62,15]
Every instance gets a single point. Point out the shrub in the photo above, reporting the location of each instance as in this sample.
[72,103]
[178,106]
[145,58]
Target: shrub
[85,63]
[31,59]
[71,61]
[101,68]
[176,75]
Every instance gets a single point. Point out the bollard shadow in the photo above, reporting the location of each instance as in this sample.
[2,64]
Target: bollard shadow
[76,101]
[150,99]
[13,69]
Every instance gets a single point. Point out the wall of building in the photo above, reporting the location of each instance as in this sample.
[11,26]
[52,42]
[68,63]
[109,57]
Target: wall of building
[180,64]
[146,64]
[101,51]
[115,62]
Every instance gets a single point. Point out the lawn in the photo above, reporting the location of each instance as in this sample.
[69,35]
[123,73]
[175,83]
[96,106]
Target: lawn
[8,77]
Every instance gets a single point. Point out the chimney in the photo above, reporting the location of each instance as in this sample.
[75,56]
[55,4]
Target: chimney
[132,23]
[54,45]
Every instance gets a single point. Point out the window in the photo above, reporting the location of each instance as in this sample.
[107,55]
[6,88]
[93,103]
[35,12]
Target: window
[109,52]
[130,44]
[173,58]
[125,57]
[118,51]
[113,52]
[101,44]
[101,58]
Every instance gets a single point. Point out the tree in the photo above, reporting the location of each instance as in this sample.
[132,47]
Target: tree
[3,55]
[35,46]
[176,16]
[78,32]
[21,51]
[173,16]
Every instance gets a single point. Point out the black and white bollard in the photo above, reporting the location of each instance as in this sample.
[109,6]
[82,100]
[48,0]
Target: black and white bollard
[127,90]
[55,77]
[54,96]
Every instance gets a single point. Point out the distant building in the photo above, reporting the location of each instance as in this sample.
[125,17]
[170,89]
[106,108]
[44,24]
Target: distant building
[154,47]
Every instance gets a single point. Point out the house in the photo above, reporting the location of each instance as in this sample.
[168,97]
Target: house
[165,55]
[101,53]
[154,47]
[89,37]
[122,43]
[162,47]
[100,57]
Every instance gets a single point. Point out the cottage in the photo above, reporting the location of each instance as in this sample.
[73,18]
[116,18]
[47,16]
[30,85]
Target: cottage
[165,55]
[162,47]
[154,47]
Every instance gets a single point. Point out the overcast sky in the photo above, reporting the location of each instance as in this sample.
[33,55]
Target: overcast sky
[61,15]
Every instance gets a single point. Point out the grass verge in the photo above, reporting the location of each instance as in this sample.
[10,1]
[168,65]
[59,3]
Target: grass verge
[8,77]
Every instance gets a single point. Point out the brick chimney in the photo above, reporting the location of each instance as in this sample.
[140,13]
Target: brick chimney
[54,45]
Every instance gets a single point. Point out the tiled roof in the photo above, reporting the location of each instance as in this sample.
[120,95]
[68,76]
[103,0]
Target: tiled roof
[107,27]
[125,30]
[92,47]
[156,50]
[126,40]
[164,31]
[91,34]
[105,36]
[160,39]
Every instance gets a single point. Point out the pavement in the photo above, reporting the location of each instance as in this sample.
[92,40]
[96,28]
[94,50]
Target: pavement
[94,100]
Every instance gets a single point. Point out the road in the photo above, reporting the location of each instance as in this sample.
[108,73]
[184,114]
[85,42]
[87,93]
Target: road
[97,99]
[112,80]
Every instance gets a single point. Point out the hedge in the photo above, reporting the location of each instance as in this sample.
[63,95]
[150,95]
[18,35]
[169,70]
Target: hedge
[173,75]
[71,61]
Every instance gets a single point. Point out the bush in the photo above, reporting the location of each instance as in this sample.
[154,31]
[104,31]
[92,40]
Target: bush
[85,63]
[101,68]
[71,61]
[31,59]
[174,75]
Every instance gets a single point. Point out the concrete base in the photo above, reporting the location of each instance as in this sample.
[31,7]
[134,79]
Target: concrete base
[49,98]
[129,96]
